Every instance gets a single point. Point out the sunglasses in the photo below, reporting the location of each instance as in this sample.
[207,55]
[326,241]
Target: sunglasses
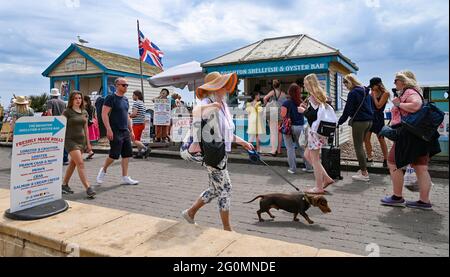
[396,80]
[345,82]
[124,85]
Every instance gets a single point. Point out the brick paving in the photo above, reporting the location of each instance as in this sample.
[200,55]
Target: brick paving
[357,220]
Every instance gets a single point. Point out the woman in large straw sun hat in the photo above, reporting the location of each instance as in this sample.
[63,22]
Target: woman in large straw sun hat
[21,109]
[215,115]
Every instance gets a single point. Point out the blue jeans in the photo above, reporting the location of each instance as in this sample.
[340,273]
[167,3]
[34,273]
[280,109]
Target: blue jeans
[290,142]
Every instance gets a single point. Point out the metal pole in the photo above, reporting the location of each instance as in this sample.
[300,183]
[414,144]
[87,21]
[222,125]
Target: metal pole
[140,62]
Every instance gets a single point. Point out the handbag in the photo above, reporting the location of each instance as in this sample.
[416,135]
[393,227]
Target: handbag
[286,126]
[350,122]
[327,119]
[326,129]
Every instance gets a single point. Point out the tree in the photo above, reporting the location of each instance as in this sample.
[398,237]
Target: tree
[39,102]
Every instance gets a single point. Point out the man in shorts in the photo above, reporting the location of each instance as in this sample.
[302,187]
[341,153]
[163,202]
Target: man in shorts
[119,131]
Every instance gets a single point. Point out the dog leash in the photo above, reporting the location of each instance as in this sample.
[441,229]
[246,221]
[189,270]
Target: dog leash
[255,157]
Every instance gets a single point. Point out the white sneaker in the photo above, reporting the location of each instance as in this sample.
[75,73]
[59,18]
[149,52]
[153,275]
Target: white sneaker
[308,170]
[291,171]
[187,217]
[126,180]
[101,176]
[360,177]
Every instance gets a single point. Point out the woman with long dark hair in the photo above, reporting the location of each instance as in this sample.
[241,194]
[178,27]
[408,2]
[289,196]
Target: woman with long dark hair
[289,111]
[77,142]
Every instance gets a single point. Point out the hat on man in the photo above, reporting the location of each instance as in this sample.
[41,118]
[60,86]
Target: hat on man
[20,100]
[375,82]
[215,81]
[54,92]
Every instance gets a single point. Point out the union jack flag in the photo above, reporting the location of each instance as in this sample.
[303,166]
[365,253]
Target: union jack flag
[149,52]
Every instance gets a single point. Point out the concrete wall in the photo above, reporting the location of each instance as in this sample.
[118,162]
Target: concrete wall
[92,231]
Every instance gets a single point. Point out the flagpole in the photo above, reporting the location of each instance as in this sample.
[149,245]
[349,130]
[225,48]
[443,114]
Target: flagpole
[140,62]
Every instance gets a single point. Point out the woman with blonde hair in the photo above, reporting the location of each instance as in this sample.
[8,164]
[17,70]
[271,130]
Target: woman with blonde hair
[315,141]
[20,109]
[213,136]
[359,108]
[409,100]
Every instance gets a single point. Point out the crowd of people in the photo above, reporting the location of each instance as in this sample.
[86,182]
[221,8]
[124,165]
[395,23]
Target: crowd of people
[364,111]
[291,116]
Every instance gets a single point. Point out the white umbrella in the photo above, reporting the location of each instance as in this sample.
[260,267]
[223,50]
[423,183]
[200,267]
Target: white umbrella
[188,74]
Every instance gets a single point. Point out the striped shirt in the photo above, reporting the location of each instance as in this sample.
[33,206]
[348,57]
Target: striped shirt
[140,117]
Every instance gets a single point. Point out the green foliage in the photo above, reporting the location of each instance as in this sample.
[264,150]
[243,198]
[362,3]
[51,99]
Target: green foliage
[38,102]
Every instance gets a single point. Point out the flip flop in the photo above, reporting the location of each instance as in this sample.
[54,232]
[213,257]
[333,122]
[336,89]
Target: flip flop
[89,157]
[327,185]
[314,191]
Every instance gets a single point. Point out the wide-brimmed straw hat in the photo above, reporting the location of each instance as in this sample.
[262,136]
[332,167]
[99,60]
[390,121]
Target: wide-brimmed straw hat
[21,100]
[215,81]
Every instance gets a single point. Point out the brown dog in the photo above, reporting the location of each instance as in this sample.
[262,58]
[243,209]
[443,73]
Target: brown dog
[296,203]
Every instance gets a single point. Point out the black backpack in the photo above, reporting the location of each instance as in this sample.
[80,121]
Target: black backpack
[425,122]
[213,151]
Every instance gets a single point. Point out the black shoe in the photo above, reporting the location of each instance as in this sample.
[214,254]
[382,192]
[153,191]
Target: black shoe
[147,153]
[67,190]
[91,193]
[65,163]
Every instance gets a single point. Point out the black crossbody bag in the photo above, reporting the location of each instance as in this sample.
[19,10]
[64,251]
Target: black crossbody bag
[213,151]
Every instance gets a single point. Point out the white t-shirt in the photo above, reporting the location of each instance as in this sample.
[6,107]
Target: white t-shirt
[226,124]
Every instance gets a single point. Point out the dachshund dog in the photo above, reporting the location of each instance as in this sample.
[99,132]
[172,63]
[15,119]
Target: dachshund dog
[296,203]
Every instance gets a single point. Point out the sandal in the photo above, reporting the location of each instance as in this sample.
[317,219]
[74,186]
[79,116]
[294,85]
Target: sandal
[327,185]
[89,157]
[314,191]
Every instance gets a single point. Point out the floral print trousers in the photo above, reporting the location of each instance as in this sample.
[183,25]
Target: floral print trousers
[219,187]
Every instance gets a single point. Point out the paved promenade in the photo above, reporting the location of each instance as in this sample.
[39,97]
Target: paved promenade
[357,220]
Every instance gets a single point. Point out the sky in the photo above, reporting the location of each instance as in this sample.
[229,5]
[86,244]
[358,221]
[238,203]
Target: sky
[380,36]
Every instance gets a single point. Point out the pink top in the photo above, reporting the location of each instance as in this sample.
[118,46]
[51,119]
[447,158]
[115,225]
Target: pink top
[414,100]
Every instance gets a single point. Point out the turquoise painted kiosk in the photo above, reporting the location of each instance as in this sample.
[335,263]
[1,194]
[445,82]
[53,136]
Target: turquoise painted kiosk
[287,59]
[93,70]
